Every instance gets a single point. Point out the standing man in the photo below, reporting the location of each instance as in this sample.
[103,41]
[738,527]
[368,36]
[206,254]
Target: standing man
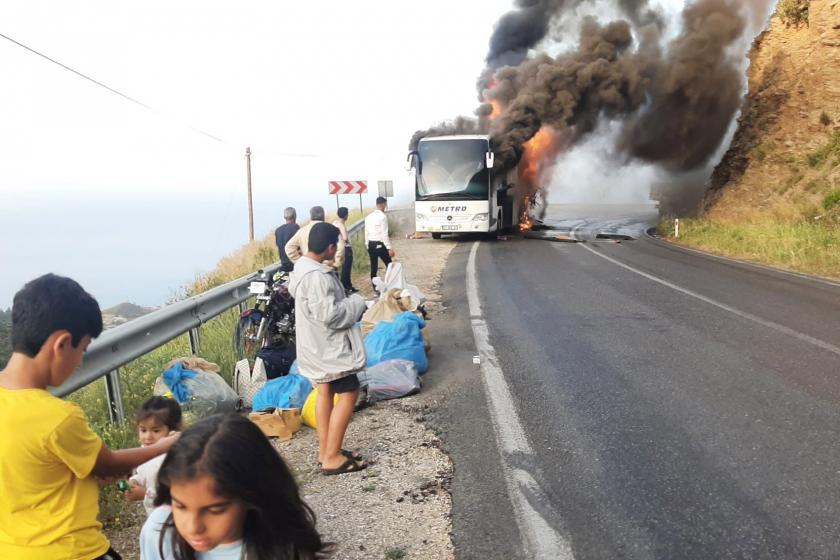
[347,265]
[330,350]
[376,237]
[282,236]
[298,245]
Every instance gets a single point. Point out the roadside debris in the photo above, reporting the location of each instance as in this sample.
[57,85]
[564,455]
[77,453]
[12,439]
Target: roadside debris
[281,423]
[548,235]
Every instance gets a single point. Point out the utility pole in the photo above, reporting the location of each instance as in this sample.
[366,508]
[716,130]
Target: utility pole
[250,197]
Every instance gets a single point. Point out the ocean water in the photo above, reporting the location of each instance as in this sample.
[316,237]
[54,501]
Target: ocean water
[141,247]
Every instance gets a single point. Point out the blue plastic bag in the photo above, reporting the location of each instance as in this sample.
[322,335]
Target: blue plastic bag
[399,339]
[175,378]
[288,391]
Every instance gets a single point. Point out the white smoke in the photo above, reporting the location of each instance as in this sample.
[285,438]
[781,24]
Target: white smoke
[591,173]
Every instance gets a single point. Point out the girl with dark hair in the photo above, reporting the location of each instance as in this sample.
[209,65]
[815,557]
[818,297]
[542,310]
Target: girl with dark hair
[225,493]
[157,418]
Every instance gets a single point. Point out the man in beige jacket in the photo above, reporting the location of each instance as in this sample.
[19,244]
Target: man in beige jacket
[298,245]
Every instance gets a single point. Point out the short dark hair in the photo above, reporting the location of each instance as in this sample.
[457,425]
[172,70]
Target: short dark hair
[321,236]
[343,212]
[381,200]
[164,410]
[48,304]
[244,466]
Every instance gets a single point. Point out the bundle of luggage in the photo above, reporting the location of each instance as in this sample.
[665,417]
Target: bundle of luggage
[395,344]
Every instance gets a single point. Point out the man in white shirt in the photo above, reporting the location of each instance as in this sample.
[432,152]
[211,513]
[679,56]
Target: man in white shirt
[376,237]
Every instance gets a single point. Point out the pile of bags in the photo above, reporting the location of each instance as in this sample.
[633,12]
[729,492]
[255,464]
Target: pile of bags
[396,349]
[395,342]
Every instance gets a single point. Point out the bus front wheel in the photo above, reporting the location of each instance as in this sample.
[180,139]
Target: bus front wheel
[436,236]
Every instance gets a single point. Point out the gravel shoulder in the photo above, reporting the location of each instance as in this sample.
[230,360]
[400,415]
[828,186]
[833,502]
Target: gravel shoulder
[400,507]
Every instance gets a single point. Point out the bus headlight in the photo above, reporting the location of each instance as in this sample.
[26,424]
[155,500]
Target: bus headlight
[420,217]
[481,217]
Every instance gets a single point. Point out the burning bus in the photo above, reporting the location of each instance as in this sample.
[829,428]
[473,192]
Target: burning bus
[457,189]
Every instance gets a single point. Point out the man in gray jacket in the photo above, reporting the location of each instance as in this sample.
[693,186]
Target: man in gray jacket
[330,350]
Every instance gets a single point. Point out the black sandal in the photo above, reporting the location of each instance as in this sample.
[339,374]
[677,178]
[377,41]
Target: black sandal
[347,466]
[352,455]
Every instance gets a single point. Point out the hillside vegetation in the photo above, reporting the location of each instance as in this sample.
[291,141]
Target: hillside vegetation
[5,336]
[775,197]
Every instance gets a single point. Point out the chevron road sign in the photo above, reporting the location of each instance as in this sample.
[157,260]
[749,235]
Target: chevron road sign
[348,187]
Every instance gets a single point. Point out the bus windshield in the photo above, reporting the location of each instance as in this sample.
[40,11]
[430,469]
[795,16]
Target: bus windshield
[453,169]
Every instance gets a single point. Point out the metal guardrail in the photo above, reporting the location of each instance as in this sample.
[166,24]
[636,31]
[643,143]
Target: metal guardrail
[124,343]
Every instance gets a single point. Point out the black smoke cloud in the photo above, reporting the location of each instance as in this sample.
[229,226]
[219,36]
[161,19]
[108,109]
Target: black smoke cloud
[695,94]
[520,30]
[640,13]
[573,90]
[524,27]
[676,101]
[459,125]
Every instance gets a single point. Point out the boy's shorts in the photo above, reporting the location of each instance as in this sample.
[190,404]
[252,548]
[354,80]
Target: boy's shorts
[345,384]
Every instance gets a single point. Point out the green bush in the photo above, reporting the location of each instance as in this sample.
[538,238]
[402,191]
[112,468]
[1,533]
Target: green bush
[831,200]
[5,336]
[794,12]
[830,151]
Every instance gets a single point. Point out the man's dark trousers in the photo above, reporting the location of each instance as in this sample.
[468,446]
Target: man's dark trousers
[376,251]
[347,268]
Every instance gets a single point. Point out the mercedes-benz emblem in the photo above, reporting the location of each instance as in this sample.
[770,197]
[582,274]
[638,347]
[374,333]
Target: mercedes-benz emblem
[449,218]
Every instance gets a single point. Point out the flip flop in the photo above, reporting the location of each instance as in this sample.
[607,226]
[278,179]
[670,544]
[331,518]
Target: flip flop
[352,455]
[347,466]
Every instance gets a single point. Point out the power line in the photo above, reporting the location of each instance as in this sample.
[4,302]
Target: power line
[100,84]
[144,105]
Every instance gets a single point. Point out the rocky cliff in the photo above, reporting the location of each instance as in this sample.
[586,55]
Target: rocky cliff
[785,158]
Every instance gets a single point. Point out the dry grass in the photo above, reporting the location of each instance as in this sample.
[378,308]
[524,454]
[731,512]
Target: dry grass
[791,220]
[809,247]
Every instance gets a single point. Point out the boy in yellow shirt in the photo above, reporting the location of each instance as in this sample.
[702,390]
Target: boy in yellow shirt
[49,456]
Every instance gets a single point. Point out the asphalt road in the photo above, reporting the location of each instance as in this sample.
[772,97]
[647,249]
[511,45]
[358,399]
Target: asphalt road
[687,408]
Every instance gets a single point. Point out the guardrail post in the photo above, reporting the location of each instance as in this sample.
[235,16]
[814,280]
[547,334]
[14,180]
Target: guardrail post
[195,341]
[113,390]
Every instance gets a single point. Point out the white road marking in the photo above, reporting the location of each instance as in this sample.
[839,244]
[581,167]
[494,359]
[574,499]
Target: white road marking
[769,324]
[541,539]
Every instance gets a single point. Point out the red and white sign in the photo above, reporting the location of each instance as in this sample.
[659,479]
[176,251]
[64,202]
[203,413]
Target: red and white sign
[348,187]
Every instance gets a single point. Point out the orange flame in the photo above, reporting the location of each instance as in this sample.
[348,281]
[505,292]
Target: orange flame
[537,149]
[525,223]
[535,158]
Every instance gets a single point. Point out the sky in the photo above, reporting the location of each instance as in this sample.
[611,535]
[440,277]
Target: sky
[132,202]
